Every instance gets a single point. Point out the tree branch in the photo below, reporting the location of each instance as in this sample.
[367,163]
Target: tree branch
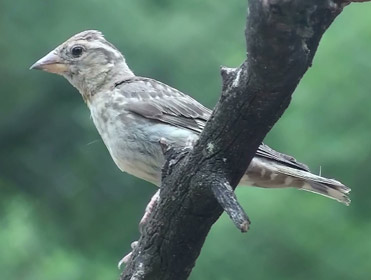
[223,192]
[282,37]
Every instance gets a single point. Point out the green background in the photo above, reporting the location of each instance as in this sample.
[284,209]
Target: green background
[67,212]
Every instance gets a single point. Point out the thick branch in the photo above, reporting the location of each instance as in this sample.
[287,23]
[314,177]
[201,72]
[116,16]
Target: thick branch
[282,37]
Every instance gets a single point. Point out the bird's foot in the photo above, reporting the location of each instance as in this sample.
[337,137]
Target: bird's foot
[151,205]
[127,257]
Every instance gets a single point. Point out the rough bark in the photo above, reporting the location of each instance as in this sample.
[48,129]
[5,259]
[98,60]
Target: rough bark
[282,37]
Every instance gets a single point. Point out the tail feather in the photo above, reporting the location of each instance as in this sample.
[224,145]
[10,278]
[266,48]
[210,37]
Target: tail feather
[268,173]
[330,191]
[316,184]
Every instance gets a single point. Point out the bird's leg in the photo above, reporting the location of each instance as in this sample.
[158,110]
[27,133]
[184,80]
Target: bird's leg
[149,208]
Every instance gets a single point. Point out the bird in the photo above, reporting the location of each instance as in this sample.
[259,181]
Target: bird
[133,114]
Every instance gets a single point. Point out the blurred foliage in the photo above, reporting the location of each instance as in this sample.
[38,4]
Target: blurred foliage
[67,212]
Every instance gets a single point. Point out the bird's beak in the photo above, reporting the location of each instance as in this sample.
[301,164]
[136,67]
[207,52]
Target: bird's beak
[51,63]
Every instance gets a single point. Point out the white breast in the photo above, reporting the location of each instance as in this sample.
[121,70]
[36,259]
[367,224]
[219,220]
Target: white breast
[133,141]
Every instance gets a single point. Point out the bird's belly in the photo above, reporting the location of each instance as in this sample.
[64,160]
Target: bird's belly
[134,153]
[130,159]
[134,144]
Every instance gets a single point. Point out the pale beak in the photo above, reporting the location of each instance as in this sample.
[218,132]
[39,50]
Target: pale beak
[51,63]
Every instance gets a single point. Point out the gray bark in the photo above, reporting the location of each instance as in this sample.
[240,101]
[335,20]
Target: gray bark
[282,37]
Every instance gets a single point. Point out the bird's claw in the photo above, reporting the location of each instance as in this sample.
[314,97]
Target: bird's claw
[127,257]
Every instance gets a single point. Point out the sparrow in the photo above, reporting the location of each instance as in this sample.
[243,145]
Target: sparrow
[134,114]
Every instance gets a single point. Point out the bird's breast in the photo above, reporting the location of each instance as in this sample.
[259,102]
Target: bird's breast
[134,141]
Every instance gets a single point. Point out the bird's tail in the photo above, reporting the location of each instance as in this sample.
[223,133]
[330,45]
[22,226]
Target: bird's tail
[268,173]
[317,184]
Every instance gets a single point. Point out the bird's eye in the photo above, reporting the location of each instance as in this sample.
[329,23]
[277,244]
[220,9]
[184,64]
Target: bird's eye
[77,51]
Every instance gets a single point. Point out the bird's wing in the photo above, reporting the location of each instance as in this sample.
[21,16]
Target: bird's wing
[268,153]
[157,101]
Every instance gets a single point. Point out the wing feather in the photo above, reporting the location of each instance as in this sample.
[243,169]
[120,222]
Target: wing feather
[267,152]
[154,100]
[157,101]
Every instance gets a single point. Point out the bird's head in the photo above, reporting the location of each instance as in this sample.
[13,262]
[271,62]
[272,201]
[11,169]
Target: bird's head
[88,61]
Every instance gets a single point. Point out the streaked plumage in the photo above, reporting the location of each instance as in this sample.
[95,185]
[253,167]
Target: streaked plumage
[133,113]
